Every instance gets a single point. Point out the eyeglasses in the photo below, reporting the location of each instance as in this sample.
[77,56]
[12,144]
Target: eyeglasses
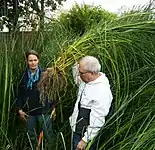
[82,73]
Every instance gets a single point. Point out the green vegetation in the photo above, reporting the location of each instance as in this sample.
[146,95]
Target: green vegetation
[124,44]
[25,13]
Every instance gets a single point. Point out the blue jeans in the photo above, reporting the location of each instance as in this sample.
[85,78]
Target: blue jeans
[45,124]
[76,140]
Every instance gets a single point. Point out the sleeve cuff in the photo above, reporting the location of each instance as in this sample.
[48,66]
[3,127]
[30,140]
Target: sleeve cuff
[86,140]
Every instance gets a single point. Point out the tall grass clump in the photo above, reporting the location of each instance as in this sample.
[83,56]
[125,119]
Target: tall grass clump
[125,47]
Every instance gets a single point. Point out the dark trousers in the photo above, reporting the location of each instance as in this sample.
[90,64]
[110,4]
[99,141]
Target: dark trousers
[42,122]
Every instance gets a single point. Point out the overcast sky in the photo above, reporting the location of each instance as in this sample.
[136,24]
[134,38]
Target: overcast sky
[111,5]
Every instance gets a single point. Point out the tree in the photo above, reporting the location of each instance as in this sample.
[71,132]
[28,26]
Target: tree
[16,13]
[10,11]
[81,18]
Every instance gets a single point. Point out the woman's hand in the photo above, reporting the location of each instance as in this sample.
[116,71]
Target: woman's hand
[53,114]
[23,115]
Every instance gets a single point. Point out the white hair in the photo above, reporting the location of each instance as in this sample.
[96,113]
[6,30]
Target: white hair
[91,64]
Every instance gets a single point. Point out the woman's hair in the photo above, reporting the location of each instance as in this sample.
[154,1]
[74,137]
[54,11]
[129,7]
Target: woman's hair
[91,64]
[33,52]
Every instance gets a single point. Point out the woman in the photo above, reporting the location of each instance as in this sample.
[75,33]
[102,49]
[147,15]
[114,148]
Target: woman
[31,108]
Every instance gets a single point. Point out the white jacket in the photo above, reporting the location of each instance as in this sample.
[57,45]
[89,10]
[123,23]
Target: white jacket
[97,96]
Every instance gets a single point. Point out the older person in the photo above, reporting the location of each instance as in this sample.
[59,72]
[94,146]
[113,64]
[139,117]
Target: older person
[93,101]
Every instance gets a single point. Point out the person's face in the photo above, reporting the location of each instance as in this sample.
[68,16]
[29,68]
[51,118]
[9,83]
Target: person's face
[33,61]
[84,74]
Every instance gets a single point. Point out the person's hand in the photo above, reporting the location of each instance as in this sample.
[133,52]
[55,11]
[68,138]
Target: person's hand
[23,115]
[53,113]
[81,145]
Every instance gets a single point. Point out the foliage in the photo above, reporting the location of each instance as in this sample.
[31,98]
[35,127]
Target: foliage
[81,18]
[15,14]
